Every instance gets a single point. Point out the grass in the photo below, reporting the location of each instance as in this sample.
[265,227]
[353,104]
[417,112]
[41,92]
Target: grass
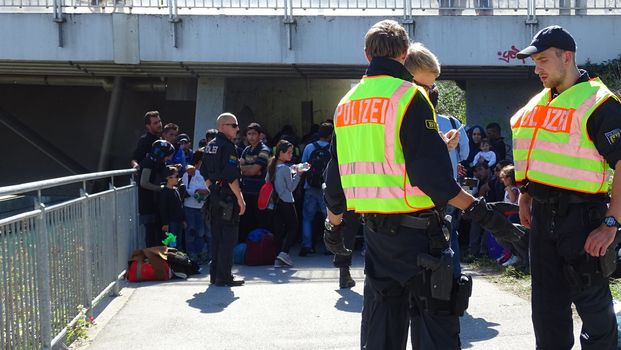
[516,280]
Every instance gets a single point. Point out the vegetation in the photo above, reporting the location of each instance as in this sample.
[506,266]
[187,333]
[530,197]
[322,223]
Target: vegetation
[609,71]
[78,330]
[452,100]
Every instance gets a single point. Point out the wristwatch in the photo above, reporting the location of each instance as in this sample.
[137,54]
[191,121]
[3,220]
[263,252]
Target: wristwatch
[329,226]
[611,221]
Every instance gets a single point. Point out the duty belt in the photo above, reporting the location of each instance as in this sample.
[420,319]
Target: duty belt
[419,220]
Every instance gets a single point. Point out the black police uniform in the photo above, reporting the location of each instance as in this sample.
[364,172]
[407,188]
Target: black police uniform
[148,201]
[562,272]
[394,281]
[221,166]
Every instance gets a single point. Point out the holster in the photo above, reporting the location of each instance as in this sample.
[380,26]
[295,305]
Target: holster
[583,271]
[441,276]
[460,297]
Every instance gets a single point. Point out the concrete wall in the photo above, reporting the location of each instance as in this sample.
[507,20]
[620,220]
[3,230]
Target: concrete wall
[276,102]
[458,40]
[496,101]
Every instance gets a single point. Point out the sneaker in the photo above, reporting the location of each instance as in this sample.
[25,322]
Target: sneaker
[503,258]
[278,263]
[285,258]
[512,261]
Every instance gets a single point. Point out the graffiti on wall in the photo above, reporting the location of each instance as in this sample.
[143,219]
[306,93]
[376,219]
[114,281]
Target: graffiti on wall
[509,55]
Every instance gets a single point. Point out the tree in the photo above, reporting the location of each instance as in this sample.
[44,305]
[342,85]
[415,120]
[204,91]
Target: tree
[609,72]
[452,100]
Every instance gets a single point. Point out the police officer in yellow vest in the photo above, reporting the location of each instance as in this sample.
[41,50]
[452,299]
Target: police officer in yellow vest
[391,165]
[565,140]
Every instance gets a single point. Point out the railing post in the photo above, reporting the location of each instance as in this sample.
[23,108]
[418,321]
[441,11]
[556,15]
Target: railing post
[115,291]
[531,18]
[43,277]
[289,22]
[173,18]
[408,20]
[60,19]
[87,252]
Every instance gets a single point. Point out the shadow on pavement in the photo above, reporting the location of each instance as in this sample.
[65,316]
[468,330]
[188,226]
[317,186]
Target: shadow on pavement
[474,330]
[214,299]
[350,301]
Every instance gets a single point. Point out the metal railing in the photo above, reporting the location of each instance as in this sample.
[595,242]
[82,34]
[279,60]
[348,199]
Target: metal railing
[542,6]
[57,257]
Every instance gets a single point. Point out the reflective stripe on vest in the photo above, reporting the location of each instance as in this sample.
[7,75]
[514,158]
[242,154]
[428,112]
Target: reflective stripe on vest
[551,144]
[371,161]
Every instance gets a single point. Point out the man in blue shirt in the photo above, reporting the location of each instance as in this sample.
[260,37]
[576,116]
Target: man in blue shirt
[313,196]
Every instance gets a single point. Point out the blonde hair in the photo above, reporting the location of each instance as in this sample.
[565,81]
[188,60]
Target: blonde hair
[386,38]
[419,58]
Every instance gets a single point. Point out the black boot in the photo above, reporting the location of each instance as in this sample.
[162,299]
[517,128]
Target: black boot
[345,280]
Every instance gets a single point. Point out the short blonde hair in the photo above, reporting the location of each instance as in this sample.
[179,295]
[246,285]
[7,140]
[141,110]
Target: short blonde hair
[419,58]
[386,38]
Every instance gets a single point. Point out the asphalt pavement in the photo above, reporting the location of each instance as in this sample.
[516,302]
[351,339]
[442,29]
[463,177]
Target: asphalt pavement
[281,308]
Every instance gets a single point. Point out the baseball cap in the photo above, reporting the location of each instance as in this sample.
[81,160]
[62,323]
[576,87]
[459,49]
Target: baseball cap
[552,36]
[183,137]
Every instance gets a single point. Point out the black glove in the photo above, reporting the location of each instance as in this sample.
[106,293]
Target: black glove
[493,221]
[333,238]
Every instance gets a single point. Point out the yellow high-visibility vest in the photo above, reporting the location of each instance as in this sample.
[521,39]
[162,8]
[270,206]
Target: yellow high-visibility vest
[551,144]
[371,161]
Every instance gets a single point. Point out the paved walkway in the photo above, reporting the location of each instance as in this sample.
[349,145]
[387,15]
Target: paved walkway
[297,308]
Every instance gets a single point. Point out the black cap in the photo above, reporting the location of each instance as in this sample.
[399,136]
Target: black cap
[183,137]
[552,36]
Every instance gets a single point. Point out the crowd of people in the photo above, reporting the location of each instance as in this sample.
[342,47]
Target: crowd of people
[174,187]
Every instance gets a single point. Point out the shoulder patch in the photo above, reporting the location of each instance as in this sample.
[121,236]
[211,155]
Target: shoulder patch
[431,124]
[613,136]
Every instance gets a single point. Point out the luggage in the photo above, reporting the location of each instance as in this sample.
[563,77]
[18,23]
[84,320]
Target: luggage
[260,248]
[142,270]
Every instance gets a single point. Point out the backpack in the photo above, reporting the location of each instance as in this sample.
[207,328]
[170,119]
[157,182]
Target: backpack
[265,196]
[318,160]
[180,264]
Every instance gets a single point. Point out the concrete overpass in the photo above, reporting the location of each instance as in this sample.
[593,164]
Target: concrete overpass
[273,61]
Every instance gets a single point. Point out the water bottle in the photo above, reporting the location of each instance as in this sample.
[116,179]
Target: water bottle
[304,166]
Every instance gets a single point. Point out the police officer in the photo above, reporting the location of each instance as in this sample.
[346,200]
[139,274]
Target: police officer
[390,164]
[565,140]
[221,170]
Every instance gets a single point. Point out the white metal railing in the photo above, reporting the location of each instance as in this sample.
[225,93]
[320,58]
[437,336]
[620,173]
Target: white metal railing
[57,257]
[541,6]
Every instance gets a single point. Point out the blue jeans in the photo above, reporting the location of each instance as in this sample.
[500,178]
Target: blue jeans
[313,203]
[195,232]
[456,216]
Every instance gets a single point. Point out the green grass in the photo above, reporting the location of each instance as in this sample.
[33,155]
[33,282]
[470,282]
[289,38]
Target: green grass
[516,280]
[615,288]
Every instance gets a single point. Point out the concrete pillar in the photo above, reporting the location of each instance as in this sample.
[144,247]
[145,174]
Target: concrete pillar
[497,100]
[209,105]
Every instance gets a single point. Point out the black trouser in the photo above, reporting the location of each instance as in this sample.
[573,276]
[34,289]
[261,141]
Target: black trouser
[352,226]
[250,220]
[153,235]
[393,280]
[285,226]
[223,238]
[555,239]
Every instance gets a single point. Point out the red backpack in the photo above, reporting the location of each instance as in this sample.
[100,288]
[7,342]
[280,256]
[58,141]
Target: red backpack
[265,196]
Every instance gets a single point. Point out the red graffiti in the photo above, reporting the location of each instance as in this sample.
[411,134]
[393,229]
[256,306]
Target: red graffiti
[509,55]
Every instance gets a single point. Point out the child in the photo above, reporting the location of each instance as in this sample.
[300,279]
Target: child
[197,232]
[485,155]
[171,206]
[285,217]
[507,175]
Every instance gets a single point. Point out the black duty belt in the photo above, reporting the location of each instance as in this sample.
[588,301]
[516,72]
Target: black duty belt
[569,199]
[421,219]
